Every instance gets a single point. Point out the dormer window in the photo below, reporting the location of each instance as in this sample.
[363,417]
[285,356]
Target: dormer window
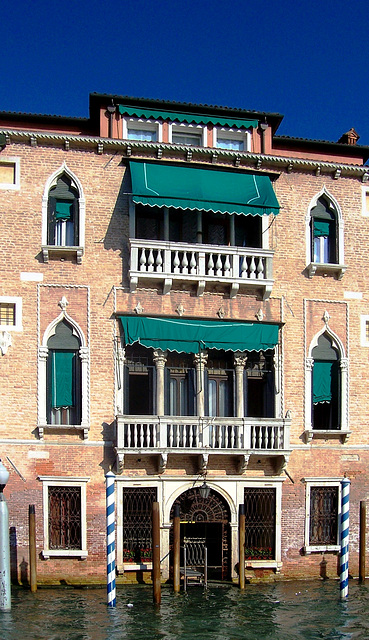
[231,139]
[145,135]
[191,135]
[142,130]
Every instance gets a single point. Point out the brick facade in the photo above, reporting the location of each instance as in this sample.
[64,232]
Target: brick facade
[97,291]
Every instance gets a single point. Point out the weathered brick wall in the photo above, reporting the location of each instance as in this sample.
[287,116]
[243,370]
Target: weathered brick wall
[98,287]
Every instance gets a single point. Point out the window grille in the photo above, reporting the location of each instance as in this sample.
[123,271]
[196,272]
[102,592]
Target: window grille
[65,518]
[7,313]
[137,524]
[323,515]
[260,523]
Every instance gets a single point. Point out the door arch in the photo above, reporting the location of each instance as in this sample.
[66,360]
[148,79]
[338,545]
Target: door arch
[207,518]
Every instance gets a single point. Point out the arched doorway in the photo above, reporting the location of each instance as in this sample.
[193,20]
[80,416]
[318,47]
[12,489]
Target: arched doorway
[207,518]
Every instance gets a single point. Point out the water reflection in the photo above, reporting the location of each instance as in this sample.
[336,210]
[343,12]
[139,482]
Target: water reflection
[283,611]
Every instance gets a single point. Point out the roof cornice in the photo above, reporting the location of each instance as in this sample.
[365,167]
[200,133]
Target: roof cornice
[157,150]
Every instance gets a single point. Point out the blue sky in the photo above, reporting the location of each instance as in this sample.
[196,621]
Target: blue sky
[305,60]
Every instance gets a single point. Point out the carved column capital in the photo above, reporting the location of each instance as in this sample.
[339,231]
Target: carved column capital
[160,358]
[43,352]
[200,359]
[239,359]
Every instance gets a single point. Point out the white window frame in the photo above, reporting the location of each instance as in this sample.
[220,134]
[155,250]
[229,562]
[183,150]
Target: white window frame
[47,249]
[62,481]
[241,135]
[142,125]
[122,484]
[322,267]
[84,354]
[365,201]
[364,321]
[17,301]
[190,129]
[12,186]
[320,482]
[277,562]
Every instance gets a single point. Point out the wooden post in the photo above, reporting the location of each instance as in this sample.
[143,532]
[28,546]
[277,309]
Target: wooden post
[241,546]
[362,542]
[176,549]
[32,547]
[156,553]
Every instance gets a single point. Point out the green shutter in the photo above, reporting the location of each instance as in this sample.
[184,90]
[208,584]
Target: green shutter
[62,379]
[322,228]
[63,210]
[322,381]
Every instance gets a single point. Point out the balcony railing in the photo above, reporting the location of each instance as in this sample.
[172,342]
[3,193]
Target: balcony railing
[174,434]
[199,264]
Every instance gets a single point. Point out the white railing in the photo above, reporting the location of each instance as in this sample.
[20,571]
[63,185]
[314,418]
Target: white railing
[176,433]
[168,261]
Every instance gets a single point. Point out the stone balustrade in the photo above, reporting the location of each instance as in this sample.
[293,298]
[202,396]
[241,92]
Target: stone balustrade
[167,262]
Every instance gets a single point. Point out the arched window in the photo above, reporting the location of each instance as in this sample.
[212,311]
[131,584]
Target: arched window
[323,226]
[63,377]
[63,215]
[324,236]
[326,387]
[63,363]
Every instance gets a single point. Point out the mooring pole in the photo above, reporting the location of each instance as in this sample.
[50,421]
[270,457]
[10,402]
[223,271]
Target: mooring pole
[110,539]
[5,593]
[362,543]
[156,553]
[32,548]
[344,537]
[176,548]
[241,546]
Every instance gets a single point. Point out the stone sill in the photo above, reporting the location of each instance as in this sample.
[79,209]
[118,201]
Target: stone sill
[55,428]
[328,434]
[320,268]
[321,548]
[64,553]
[62,253]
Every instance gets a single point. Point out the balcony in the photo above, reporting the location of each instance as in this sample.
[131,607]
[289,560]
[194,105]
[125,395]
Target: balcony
[167,263]
[168,435]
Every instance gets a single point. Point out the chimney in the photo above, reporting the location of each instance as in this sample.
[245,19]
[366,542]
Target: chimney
[351,137]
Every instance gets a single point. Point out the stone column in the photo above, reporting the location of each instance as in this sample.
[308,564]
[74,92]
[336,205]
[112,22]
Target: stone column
[309,364]
[43,353]
[200,360]
[160,358]
[239,359]
[119,380]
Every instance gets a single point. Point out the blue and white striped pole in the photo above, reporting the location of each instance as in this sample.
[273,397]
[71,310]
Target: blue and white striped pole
[110,538]
[344,537]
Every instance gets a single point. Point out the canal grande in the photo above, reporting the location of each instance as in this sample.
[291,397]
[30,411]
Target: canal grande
[298,610]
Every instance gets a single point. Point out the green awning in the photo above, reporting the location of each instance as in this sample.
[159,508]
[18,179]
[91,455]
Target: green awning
[189,336]
[322,381]
[158,185]
[187,117]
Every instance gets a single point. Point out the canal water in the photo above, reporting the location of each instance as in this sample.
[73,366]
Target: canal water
[282,611]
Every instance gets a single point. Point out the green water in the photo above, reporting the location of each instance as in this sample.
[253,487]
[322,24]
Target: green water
[283,611]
